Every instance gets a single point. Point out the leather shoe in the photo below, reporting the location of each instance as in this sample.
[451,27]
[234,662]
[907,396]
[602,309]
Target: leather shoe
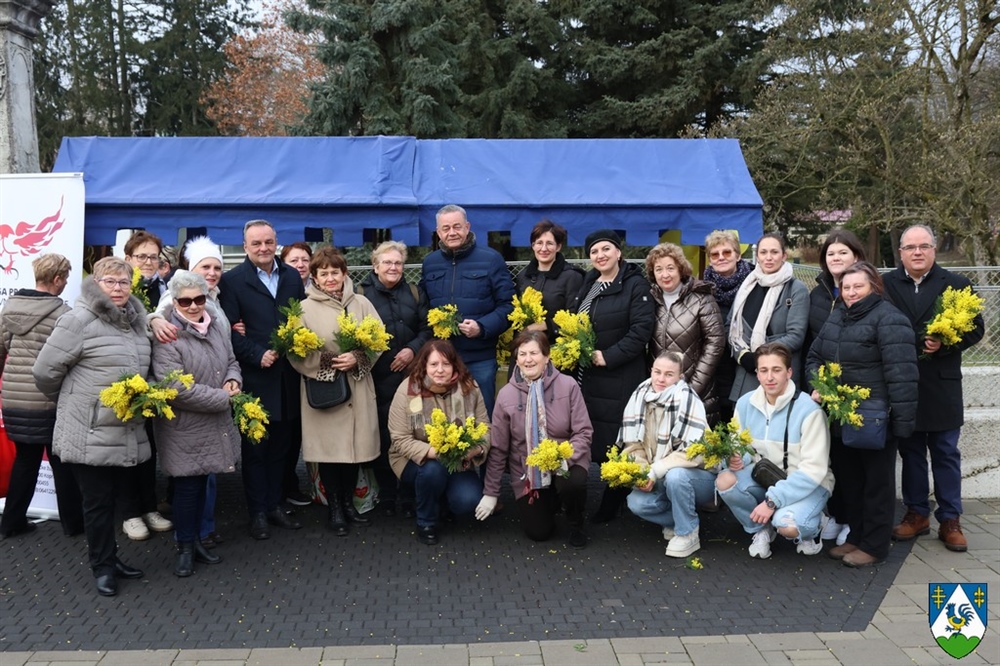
[578,539]
[27,528]
[858,559]
[950,532]
[107,585]
[258,527]
[123,570]
[840,552]
[281,519]
[427,535]
[204,555]
[912,526]
[353,516]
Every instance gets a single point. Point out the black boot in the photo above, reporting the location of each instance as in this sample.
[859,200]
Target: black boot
[611,504]
[337,521]
[204,555]
[185,559]
[353,516]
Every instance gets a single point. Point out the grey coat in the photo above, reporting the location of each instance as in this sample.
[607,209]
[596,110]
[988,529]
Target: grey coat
[201,438]
[26,322]
[788,326]
[91,347]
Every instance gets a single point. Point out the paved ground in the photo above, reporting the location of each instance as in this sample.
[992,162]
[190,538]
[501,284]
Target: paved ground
[483,596]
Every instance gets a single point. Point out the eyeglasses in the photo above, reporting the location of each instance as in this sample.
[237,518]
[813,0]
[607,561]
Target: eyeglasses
[721,254]
[923,247]
[186,302]
[144,258]
[389,264]
[111,283]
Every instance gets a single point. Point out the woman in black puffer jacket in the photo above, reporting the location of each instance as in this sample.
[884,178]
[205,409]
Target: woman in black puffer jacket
[874,345]
[617,298]
[550,273]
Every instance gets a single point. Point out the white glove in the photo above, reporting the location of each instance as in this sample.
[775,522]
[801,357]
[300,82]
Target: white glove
[486,506]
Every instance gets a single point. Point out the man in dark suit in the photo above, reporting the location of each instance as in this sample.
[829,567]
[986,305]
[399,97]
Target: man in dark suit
[251,293]
[914,288]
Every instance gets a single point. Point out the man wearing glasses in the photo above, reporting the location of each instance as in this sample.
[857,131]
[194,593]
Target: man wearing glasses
[914,288]
[142,250]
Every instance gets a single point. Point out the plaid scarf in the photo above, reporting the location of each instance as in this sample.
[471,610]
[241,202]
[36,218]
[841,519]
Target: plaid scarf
[683,417]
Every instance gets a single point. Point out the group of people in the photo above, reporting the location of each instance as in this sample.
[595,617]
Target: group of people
[674,355]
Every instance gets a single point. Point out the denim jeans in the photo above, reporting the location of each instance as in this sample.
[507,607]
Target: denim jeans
[485,374]
[432,482]
[946,466]
[674,499]
[746,494]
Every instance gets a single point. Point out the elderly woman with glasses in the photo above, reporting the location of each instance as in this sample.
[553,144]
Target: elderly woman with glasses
[403,309]
[726,272]
[101,339]
[201,439]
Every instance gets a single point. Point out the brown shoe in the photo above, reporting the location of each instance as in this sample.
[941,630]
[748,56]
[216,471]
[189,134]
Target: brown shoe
[951,533]
[858,559]
[840,552]
[912,526]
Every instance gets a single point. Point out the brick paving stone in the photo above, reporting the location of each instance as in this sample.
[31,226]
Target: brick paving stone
[665,644]
[432,655]
[582,653]
[505,649]
[883,653]
[214,655]
[145,657]
[66,656]
[792,641]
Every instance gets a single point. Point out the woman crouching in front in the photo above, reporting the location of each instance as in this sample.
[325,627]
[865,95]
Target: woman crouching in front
[539,403]
[790,430]
[438,380]
[662,417]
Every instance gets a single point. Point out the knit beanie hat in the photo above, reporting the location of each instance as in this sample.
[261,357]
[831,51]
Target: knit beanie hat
[201,248]
[600,235]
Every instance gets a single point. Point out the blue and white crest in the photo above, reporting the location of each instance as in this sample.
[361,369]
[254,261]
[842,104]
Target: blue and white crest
[957,615]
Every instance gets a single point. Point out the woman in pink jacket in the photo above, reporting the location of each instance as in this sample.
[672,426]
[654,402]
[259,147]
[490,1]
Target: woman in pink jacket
[539,403]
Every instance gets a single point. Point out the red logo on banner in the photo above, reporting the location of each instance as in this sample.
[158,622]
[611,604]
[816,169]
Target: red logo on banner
[26,239]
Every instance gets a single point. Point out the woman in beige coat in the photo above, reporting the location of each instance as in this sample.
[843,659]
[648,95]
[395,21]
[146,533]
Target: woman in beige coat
[341,437]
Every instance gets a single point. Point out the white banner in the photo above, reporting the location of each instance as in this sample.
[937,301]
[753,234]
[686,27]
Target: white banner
[40,213]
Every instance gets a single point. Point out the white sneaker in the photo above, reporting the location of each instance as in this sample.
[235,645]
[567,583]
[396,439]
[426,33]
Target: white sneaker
[810,547]
[156,522]
[761,546]
[830,529]
[683,545]
[842,537]
[668,533]
[135,529]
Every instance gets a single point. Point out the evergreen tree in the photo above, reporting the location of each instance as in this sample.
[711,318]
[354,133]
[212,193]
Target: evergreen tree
[649,68]
[182,59]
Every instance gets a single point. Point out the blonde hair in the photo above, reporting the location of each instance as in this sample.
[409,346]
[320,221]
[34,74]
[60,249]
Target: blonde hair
[111,266]
[388,246]
[50,266]
[718,237]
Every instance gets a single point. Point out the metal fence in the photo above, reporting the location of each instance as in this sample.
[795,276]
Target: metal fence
[985,280]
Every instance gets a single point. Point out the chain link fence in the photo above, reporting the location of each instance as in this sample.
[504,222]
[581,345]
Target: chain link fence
[985,280]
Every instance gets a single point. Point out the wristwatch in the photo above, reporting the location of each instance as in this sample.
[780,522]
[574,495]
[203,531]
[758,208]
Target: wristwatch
[770,503]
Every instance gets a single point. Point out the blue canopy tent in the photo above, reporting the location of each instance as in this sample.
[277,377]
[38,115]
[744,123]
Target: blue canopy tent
[641,187]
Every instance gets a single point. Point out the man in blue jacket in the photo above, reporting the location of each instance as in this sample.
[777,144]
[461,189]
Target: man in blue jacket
[251,293]
[914,288]
[475,279]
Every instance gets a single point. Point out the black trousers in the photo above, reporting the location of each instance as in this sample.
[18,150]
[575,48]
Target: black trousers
[100,488]
[538,513]
[387,481]
[24,476]
[293,448]
[264,468]
[338,480]
[139,495]
[868,495]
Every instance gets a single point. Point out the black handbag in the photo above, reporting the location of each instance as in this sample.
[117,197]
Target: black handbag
[874,429]
[766,473]
[324,395]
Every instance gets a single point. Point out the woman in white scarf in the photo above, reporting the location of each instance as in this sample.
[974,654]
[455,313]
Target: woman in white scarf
[770,306]
[662,417]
